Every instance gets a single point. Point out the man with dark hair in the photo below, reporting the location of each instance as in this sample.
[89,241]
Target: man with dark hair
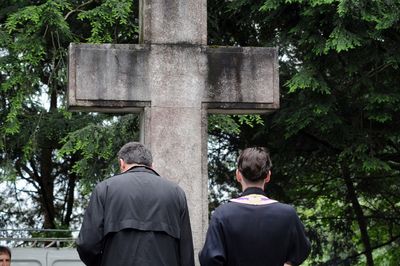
[136,217]
[253,229]
[5,256]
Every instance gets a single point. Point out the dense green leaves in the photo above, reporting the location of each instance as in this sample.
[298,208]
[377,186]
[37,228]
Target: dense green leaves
[335,140]
[111,22]
[46,153]
[97,145]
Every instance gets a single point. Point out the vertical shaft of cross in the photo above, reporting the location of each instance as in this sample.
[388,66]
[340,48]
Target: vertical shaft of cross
[175,125]
[173,21]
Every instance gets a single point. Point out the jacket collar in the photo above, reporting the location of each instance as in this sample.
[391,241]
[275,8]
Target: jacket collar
[141,168]
[253,190]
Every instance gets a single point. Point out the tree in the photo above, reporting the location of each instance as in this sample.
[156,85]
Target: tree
[335,140]
[47,149]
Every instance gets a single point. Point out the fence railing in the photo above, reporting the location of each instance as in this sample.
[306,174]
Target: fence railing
[31,237]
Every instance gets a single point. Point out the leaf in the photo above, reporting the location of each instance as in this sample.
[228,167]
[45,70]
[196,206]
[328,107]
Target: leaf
[306,79]
[342,40]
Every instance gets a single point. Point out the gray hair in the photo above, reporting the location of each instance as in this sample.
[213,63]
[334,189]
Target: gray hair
[135,153]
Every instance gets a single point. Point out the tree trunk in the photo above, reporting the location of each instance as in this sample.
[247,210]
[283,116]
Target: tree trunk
[69,199]
[46,184]
[361,219]
[46,181]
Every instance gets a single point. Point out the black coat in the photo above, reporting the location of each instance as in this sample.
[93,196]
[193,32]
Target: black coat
[263,233]
[136,218]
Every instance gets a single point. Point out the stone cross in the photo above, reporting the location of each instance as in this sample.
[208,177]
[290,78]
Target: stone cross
[174,79]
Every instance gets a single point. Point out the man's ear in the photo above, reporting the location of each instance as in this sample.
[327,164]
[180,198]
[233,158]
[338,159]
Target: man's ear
[268,177]
[239,176]
[121,165]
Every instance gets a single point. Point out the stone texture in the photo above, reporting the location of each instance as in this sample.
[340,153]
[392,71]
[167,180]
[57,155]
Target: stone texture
[227,79]
[177,75]
[173,22]
[241,79]
[176,138]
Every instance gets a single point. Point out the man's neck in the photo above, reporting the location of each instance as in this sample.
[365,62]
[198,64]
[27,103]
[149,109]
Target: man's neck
[246,185]
[130,166]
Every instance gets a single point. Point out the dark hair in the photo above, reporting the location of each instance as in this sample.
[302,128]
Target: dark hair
[135,152]
[254,163]
[5,250]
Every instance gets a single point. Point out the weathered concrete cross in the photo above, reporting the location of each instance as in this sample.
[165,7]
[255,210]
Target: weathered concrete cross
[174,79]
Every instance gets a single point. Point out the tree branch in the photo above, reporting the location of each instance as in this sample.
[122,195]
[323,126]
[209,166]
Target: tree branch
[78,8]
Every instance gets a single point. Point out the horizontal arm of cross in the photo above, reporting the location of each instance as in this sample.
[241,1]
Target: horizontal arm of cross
[120,78]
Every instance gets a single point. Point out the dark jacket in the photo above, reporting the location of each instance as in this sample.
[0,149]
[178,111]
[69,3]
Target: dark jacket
[265,234]
[136,218]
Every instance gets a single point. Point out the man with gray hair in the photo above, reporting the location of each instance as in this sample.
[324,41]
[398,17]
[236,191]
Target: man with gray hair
[136,217]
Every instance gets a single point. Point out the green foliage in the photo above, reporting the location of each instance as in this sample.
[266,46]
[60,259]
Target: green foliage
[306,79]
[335,140]
[231,124]
[342,40]
[97,145]
[110,21]
[34,122]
